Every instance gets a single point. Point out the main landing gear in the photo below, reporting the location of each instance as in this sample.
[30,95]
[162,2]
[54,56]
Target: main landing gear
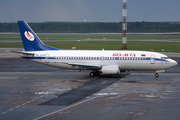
[94,73]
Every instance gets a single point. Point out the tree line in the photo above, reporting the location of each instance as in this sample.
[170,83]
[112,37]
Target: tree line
[95,27]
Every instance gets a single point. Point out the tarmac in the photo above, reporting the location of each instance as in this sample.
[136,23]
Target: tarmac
[30,90]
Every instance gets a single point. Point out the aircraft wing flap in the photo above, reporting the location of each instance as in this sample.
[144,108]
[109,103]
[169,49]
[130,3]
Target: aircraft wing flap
[94,66]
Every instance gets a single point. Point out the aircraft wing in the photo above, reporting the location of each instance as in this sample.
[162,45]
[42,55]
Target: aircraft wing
[88,66]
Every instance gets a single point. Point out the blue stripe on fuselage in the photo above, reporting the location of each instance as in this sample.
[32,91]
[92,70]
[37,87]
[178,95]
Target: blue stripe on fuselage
[97,58]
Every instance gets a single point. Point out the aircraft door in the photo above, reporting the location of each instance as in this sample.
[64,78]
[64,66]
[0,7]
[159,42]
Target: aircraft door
[102,58]
[152,59]
[47,58]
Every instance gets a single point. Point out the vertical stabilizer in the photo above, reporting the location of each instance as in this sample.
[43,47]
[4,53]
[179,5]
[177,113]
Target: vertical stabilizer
[31,41]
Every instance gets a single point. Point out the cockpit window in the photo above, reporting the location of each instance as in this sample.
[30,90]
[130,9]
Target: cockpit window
[164,58]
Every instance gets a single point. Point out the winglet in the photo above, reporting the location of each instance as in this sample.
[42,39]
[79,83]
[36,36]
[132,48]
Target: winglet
[31,41]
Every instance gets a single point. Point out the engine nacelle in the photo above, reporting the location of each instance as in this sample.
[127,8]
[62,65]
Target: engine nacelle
[111,69]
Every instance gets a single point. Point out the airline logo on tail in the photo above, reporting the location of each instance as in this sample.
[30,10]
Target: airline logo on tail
[29,35]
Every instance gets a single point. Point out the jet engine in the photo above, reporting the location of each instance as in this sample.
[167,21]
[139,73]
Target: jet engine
[111,69]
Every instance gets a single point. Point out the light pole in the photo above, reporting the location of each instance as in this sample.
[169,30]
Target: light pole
[124,24]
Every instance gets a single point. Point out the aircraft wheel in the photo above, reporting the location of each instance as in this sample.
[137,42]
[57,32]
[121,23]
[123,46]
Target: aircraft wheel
[97,73]
[92,74]
[156,74]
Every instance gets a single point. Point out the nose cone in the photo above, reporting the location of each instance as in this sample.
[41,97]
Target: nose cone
[173,63]
[170,63]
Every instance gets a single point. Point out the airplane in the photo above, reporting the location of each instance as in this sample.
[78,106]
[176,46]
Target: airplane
[105,62]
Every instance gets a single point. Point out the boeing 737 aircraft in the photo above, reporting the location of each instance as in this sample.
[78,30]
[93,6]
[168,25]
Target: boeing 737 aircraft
[99,61]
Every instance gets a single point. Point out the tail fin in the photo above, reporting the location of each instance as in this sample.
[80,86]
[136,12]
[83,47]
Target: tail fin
[30,40]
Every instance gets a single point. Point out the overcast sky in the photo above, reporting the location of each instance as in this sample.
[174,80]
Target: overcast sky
[90,10]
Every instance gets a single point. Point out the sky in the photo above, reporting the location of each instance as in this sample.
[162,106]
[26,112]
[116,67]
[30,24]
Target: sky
[89,10]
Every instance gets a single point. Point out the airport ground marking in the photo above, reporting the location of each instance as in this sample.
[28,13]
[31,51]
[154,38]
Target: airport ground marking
[68,107]
[21,105]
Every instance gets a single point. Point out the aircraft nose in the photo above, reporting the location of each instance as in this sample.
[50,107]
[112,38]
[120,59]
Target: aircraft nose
[173,63]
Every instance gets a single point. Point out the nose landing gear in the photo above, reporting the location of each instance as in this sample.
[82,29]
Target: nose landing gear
[156,74]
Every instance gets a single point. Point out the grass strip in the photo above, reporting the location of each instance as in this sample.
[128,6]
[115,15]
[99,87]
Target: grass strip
[108,45]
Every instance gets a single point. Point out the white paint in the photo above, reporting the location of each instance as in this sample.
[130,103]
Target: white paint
[29,35]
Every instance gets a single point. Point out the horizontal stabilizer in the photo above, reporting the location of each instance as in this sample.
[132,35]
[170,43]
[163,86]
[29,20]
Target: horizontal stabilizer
[21,52]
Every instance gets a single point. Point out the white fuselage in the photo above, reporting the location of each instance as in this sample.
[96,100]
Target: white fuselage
[99,61]
[126,60]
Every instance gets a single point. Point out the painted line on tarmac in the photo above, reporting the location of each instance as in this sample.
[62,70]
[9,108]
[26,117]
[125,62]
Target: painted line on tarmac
[71,106]
[21,105]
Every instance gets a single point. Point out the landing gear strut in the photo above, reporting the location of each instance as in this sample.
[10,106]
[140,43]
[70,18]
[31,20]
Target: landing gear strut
[156,74]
